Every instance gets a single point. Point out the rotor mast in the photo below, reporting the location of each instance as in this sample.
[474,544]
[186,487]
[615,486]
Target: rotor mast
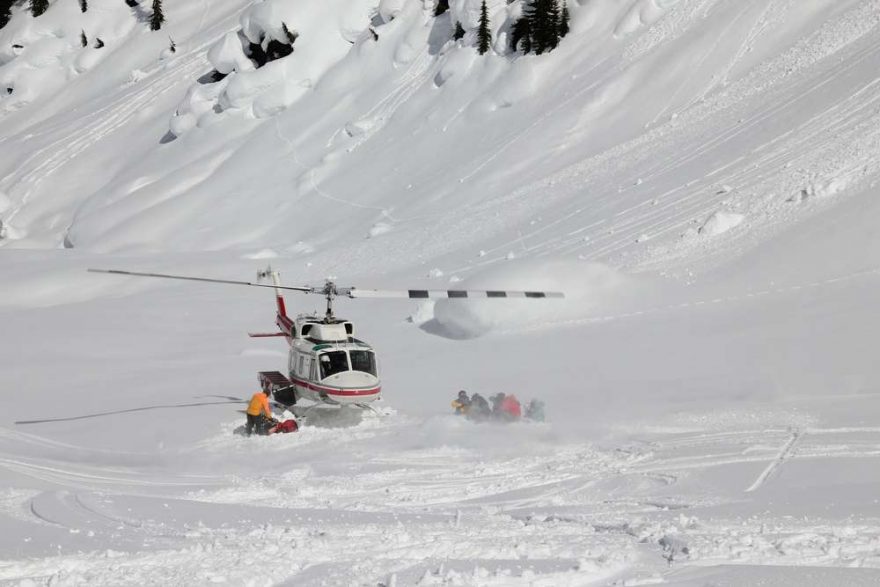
[330,292]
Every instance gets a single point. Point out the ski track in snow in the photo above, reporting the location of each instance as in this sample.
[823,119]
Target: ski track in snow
[71,137]
[502,514]
[777,462]
[759,181]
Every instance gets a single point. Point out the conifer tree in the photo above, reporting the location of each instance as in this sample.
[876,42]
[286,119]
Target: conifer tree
[83,5]
[542,25]
[484,35]
[98,43]
[544,19]
[38,7]
[553,21]
[5,12]
[564,18]
[158,17]
[442,7]
[459,31]
[83,39]
[521,35]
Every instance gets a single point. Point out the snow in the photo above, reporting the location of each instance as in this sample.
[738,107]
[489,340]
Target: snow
[228,56]
[720,222]
[711,400]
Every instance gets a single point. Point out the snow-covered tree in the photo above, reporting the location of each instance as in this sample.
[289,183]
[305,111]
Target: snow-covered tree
[521,35]
[544,25]
[5,12]
[553,10]
[83,5]
[38,7]
[564,18]
[484,35]
[158,17]
[83,39]
[539,28]
[459,31]
[442,6]
[292,36]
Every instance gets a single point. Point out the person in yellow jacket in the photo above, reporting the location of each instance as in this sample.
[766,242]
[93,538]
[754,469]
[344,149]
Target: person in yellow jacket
[462,403]
[258,413]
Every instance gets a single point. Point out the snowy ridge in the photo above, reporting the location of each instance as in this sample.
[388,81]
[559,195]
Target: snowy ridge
[319,153]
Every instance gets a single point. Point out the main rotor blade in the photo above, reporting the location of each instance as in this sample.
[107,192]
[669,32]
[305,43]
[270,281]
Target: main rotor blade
[205,279]
[416,294]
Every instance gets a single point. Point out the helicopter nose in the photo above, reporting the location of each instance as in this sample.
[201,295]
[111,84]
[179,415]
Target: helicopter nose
[352,379]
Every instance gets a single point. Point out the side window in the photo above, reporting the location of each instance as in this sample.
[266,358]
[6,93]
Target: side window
[302,359]
[313,373]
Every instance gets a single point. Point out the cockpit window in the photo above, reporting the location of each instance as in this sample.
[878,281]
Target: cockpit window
[332,363]
[363,361]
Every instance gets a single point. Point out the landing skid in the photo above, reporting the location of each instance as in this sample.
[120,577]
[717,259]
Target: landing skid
[369,407]
[324,415]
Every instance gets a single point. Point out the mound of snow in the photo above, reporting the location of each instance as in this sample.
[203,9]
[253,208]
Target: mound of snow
[587,286]
[720,222]
[379,229]
[38,56]
[228,55]
[389,9]
[323,33]
[822,189]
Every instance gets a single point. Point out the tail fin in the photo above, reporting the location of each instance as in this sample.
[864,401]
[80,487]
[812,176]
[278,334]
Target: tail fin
[279,300]
[282,320]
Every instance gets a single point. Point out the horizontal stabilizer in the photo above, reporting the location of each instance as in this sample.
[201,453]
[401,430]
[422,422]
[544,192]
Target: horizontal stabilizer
[265,334]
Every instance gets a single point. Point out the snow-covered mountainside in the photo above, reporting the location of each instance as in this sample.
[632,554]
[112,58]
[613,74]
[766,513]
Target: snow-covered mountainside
[698,176]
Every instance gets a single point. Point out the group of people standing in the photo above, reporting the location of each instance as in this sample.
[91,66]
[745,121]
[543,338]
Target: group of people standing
[504,408]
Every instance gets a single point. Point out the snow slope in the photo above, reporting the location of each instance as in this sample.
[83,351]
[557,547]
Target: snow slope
[699,177]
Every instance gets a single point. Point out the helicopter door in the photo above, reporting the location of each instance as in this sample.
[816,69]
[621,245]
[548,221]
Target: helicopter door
[306,367]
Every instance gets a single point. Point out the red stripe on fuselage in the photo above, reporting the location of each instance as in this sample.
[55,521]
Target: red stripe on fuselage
[336,390]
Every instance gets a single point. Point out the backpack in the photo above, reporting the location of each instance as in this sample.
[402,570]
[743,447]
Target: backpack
[287,426]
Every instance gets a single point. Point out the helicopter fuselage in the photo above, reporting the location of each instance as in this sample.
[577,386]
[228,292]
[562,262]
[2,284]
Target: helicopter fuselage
[327,364]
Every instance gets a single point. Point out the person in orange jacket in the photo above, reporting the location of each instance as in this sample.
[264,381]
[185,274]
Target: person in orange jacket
[258,413]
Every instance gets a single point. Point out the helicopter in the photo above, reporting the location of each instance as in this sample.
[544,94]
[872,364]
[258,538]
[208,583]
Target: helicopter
[326,363]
